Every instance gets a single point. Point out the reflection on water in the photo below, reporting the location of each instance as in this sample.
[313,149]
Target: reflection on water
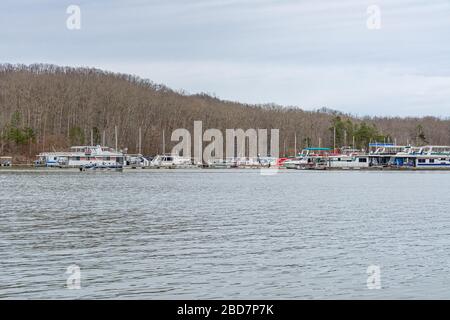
[224,234]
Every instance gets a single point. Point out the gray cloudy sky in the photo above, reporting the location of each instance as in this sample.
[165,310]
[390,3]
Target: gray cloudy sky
[307,53]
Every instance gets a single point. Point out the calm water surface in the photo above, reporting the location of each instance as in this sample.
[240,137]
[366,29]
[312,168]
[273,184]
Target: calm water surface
[231,234]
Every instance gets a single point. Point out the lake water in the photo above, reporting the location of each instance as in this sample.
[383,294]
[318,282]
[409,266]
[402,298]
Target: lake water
[234,234]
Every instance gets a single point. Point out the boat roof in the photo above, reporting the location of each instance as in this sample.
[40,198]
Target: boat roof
[90,147]
[318,149]
[383,144]
[80,154]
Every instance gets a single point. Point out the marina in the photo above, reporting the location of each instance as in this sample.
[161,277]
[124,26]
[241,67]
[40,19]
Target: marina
[384,156]
[379,156]
[223,159]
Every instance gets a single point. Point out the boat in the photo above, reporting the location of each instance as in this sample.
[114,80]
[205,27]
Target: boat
[101,167]
[170,161]
[256,162]
[135,161]
[268,162]
[426,157]
[380,154]
[80,156]
[313,159]
[243,162]
[343,161]
[6,161]
[226,163]
[296,163]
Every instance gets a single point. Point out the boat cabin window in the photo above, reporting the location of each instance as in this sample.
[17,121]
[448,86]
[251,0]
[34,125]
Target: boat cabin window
[362,159]
[421,160]
[431,160]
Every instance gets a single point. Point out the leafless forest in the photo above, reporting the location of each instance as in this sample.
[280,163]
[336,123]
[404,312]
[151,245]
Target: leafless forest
[46,107]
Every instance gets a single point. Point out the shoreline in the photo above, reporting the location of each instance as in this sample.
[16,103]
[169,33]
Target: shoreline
[32,169]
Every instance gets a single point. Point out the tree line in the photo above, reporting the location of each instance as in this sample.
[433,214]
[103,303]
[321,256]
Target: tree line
[47,107]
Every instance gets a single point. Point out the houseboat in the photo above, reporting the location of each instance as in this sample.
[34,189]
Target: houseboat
[433,157]
[426,157]
[82,156]
[352,161]
[381,154]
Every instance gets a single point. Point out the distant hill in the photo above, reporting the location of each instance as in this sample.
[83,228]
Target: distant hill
[47,107]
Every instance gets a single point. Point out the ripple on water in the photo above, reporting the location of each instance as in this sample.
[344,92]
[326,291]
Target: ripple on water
[224,234]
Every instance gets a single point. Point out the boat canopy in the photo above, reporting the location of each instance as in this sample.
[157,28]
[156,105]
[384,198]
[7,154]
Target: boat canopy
[381,144]
[317,149]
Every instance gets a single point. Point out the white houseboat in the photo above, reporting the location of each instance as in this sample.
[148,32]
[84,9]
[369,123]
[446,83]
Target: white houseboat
[343,161]
[426,157]
[80,156]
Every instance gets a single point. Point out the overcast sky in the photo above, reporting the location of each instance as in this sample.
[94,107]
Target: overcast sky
[306,53]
